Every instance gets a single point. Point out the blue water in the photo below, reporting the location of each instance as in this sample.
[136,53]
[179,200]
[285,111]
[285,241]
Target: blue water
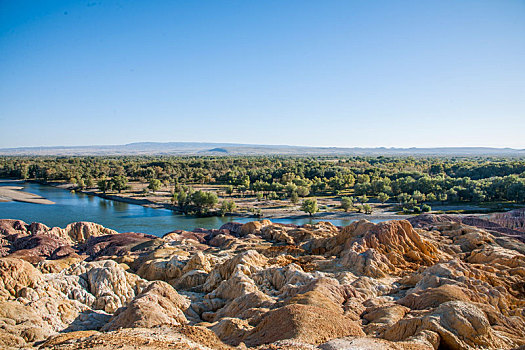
[121,217]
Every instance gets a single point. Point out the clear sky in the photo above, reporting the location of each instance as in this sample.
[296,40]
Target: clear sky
[321,73]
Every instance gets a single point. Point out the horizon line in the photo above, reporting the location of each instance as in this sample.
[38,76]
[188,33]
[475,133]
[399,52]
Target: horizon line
[259,144]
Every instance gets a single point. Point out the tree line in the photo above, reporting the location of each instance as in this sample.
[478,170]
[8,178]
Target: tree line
[412,182]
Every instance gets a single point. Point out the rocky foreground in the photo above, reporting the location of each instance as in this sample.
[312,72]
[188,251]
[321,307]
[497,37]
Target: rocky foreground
[434,282]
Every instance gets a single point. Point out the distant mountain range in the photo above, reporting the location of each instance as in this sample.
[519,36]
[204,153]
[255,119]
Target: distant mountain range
[203,148]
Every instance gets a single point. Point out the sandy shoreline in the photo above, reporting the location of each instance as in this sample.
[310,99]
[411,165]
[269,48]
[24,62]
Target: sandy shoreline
[286,214]
[381,212]
[290,214]
[16,193]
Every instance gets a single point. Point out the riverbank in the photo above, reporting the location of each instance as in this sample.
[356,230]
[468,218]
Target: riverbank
[114,197]
[249,207]
[144,202]
[268,209]
[15,193]
[138,216]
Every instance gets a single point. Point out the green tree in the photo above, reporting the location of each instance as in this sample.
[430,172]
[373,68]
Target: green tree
[204,200]
[104,185]
[367,208]
[303,191]
[383,197]
[478,195]
[442,197]
[347,203]
[229,190]
[245,181]
[452,195]
[294,197]
[290,188]
[309,206]
[418,196]
[228,206]
[337,184]
[182,198]
[363,178]
[403,198]
[154,185]
[425,208]
[24,172]
[81,184]
[89,182]
[174,197]
[363,199]
[120,183]
[431,197]
[243,189]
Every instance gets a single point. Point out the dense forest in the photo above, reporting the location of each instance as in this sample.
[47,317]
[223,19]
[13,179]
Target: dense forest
[411,182]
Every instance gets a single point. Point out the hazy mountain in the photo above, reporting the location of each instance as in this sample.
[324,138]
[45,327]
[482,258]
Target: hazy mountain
[203,148]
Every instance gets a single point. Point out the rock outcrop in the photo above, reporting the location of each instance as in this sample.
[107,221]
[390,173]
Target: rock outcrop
[433,282]
[309,324]
[158,305]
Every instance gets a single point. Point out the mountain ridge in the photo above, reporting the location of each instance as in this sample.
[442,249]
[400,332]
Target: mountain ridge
[210,148]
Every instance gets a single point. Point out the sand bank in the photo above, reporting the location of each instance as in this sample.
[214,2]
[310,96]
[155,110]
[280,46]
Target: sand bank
[15,193]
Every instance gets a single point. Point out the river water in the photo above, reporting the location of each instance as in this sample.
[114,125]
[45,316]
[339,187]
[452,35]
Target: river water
[121,217]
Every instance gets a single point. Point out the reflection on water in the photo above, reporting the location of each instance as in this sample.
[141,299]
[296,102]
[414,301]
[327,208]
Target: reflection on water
[122,217]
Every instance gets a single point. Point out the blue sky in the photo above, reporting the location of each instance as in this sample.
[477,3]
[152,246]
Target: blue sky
[321,73]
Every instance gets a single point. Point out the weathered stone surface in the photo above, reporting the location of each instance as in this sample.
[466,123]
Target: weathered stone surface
[354,343]
[514,219]
[435,283]
[381,317]
[36,242]
[306,323]
[459,325]
[38,305]
[111,286]
[116,244]
[231,330]
[377,250]
[55,266]
[433,297]
[234,228]
[251,228]
[245,263]
[179,338]
[15,275]
[158,304]
[162,269]
[80,232]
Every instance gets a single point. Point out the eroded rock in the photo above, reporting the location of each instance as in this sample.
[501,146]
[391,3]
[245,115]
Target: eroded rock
[437,284]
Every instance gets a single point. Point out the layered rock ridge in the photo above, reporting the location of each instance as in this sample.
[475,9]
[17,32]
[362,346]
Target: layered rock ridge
[433,282]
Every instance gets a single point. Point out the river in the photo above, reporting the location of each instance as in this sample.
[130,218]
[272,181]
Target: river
[121,217]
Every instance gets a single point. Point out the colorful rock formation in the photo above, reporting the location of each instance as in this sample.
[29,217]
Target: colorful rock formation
[431,283]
